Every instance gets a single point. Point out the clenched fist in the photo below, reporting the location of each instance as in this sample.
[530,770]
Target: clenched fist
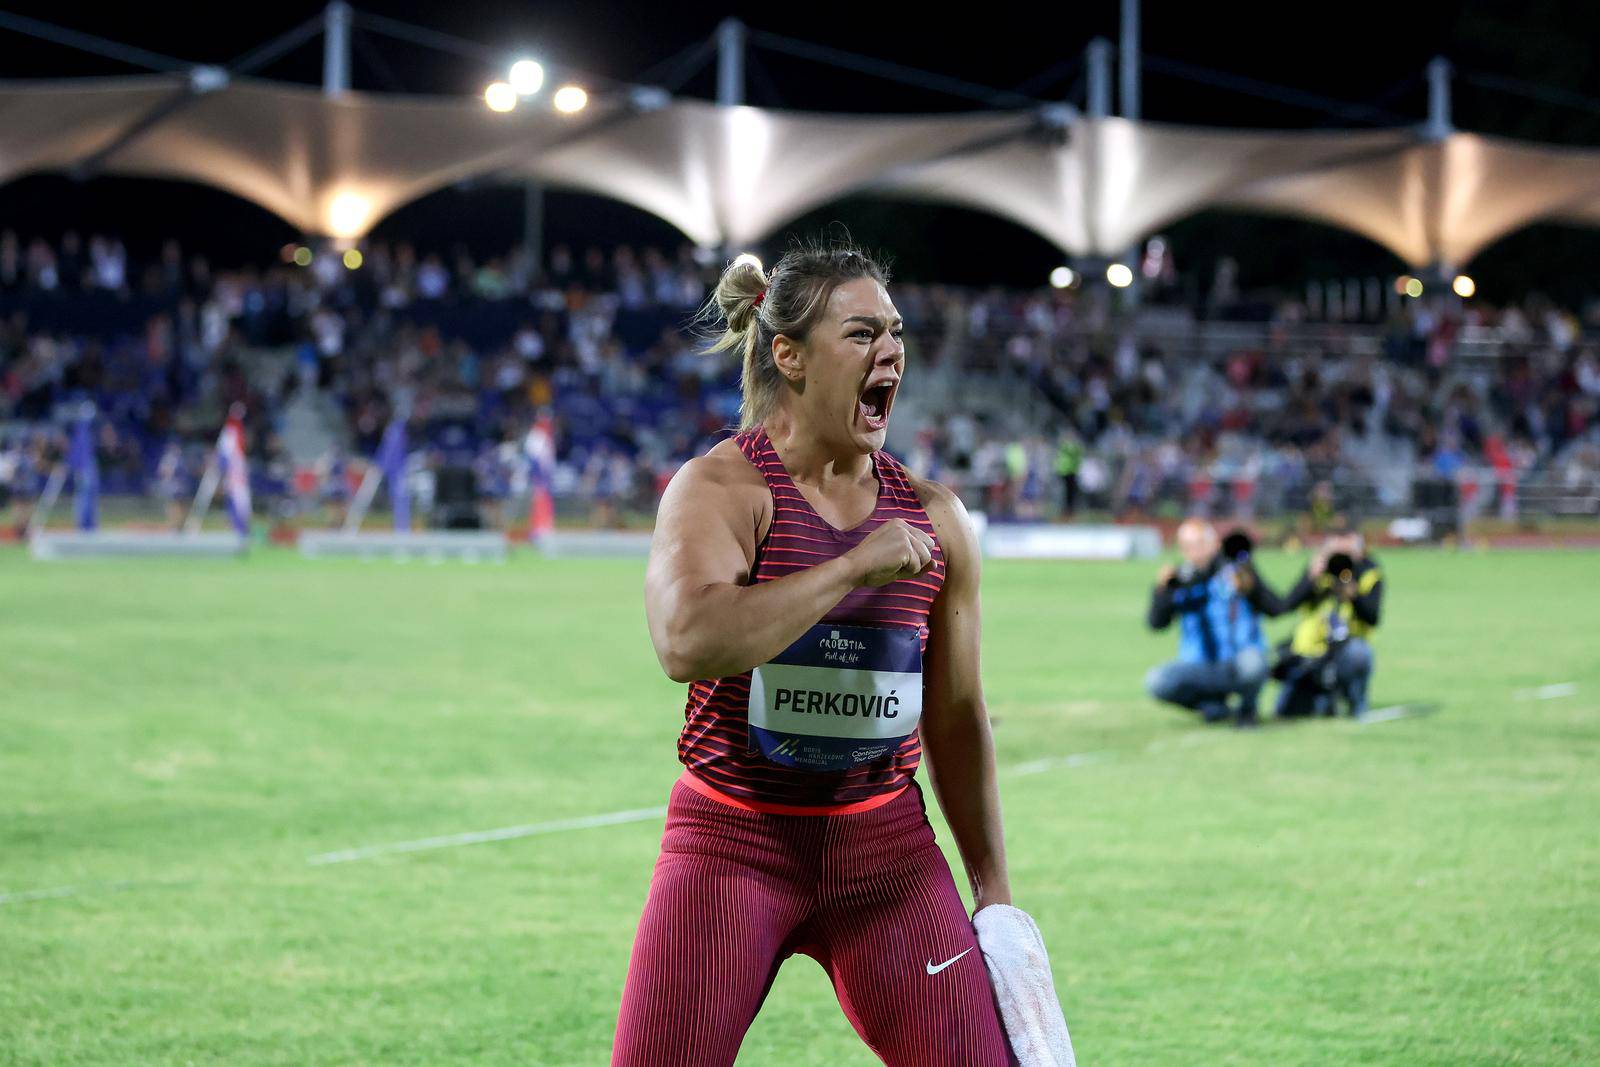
[893,551]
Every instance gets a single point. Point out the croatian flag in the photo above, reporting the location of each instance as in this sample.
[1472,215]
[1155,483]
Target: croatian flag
[540,449]
[235,474]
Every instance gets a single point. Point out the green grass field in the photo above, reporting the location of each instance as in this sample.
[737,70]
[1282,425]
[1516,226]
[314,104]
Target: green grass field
[177,739]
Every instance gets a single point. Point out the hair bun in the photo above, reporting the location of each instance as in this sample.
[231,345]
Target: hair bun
[741,285]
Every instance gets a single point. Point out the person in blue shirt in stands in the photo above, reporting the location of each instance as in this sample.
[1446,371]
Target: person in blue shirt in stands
[1218,599]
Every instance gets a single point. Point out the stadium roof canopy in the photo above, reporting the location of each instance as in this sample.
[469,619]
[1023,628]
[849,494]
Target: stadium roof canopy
[732,175]
[1442,201]
[1100,185]
[333,166]
[337,164]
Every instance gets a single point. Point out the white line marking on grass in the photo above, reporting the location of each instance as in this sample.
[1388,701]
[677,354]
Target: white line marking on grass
[1029,767]
[478,837]
[1184,740]
[57,892]
[42,894]
[1390,714]
[1547,692]
[1050,763]
[613,818]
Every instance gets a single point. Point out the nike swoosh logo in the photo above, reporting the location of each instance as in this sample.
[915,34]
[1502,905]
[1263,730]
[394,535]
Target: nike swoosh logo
[935,970]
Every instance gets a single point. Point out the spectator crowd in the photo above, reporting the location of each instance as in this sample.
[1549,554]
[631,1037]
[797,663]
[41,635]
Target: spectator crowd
[1030,402]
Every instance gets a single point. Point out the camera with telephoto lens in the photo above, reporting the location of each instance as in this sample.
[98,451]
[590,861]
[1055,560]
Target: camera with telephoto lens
[1342,569]
[1237,546]
[1235,554]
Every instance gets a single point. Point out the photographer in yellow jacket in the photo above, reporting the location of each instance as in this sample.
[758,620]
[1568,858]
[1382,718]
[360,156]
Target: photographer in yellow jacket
[1328,659]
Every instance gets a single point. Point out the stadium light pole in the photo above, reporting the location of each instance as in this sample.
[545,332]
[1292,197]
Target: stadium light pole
[1130,59]
[533,222]
[336,48]
[730,80]
[1099,78]
[730,63]
[1129,74]
[1130,110]
[1437,130]
[1438,126]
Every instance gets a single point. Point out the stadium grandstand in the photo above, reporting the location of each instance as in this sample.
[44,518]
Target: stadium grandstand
[1238,408]
[1395,394]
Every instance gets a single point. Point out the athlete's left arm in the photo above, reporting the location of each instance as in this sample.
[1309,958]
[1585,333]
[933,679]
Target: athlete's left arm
[956,741]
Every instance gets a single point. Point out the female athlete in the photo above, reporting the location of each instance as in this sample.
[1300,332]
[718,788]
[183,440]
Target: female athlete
[822,604]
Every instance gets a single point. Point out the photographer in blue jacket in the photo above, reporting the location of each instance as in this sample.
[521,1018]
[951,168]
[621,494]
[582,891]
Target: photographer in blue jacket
[1217,599]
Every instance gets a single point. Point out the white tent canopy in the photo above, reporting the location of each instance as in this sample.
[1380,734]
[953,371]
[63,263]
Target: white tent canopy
[1110,182]
[732,175]
[56,124]
[337,165]
[1442,202]
[1586,213]
[726,176]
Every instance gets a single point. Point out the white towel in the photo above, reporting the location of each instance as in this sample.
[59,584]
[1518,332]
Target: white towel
[1019,970]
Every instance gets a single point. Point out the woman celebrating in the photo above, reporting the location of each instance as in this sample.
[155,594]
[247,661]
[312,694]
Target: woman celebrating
[822,604]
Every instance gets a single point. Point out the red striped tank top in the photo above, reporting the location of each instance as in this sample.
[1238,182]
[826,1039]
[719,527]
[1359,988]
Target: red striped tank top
[715,745]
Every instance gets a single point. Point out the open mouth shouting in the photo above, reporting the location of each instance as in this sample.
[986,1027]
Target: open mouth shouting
[876,399]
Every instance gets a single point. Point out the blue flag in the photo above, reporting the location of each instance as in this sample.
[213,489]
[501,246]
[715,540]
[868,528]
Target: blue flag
[391,460]
[85,470]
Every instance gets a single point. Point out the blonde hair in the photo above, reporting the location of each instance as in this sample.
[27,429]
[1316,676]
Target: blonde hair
[788,300]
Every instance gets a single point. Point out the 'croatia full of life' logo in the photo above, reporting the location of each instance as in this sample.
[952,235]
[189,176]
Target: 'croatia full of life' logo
[840,649]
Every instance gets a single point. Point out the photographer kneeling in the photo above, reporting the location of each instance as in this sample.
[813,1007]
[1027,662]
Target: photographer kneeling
[1217,598]
[1328,658]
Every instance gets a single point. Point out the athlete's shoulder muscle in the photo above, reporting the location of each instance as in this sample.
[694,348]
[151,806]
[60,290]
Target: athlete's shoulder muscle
[953,529]
[709,518]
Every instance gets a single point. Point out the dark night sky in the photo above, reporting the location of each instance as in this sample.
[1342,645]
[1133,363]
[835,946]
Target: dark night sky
[1358,52]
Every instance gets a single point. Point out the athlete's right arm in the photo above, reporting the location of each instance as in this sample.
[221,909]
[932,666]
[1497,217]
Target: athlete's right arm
[705,621]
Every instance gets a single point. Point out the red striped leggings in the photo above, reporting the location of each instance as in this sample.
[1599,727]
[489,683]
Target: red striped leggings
[868,895]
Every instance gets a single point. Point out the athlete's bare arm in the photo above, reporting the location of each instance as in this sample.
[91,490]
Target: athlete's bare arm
[705,620]
[955,722]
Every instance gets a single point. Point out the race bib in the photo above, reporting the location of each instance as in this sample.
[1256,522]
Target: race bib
[839,697]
